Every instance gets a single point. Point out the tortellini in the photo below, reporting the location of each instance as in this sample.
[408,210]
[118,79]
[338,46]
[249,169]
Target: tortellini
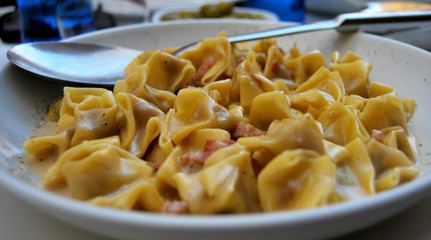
[226,184]
[96,167]
[161,71]
[341,124]
[229,128]
[90,112]
[212,58]
[382,112]
[138,121]
[296,179]
[248,81]
[355,73]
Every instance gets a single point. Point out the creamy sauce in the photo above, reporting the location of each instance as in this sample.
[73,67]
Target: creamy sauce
[41,163]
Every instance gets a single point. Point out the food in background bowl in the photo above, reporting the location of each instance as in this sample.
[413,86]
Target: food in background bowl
[221,10]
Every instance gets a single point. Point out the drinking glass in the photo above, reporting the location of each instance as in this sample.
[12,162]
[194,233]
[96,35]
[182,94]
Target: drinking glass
[38,20]
[287,10]
[74,17]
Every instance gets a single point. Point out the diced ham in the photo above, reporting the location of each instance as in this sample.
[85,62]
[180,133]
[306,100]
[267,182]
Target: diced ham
[239,61]
[275,66]
[154,166]
[281,51]
[246,130]
[174,207]
[280,70]
[256,166]
[199,158]
[213,145]
[378,135]
[207,63]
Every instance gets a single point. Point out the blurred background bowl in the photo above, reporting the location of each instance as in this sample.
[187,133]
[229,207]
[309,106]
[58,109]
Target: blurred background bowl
[210,11]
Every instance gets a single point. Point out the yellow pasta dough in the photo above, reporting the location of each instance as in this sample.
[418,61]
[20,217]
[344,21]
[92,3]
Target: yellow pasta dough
[229,128]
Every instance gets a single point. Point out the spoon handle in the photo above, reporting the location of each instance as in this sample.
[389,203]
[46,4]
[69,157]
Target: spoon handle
[322,25]
[383,22]
[348,22]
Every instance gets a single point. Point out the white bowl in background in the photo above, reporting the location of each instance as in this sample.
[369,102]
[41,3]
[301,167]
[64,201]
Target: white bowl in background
[266,15]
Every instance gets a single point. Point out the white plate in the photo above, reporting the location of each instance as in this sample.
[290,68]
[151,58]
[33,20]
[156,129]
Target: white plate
[266,15]
[23,98]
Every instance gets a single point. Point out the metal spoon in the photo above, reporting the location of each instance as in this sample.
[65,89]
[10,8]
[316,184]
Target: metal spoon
[101,65]
[73,63]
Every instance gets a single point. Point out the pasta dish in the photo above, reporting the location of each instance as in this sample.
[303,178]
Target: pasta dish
[228,128]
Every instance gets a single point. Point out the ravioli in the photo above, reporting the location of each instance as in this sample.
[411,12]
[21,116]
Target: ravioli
[229,129]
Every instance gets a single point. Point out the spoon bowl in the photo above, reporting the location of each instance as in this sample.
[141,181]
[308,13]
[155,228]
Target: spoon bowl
[73,63]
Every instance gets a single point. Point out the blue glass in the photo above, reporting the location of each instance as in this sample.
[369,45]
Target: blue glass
[286,10]
[38,20]
[74,17]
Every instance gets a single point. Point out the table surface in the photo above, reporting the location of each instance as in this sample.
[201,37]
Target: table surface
[19,221]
